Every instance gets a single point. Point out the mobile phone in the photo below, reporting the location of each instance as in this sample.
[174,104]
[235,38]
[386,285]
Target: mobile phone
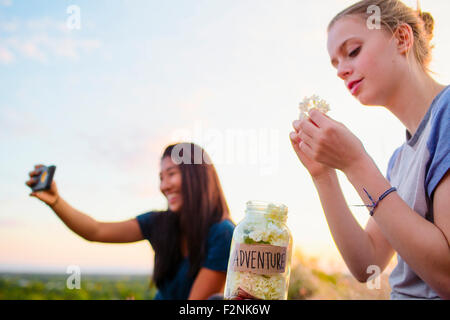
[44,179]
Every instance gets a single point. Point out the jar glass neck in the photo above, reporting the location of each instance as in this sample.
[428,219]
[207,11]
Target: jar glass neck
[266,210]
[258,215]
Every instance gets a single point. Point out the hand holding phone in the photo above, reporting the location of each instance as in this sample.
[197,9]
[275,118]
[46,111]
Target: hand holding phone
[42,184]
[43,178]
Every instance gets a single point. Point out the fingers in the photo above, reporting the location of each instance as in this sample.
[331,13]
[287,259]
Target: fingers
[305,131]
[319,118]
[307,126]
[33,174]
[306,149]
[36,170]
[295,139]
[298,142]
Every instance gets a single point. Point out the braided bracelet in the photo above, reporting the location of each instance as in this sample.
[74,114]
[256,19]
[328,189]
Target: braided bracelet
[375,204]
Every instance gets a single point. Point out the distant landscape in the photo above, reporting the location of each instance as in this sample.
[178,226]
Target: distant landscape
[92,287]
[307,282]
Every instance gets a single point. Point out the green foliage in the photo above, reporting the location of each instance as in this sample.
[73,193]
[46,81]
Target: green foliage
[332,279]
[248,240]
[92,287]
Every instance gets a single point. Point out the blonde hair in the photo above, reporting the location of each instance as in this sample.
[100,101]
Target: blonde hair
[395,13]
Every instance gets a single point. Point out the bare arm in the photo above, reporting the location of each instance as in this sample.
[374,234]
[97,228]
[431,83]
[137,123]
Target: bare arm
[93,230]
[82,224]
[427,249]
[360,248]
[207,283]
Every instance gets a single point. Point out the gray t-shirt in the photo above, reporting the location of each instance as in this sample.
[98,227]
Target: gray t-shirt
[415,169]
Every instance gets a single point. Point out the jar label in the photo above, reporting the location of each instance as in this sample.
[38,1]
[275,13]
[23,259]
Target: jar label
[259,258]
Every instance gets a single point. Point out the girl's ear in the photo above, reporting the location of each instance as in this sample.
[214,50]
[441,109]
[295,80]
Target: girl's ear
[405,38]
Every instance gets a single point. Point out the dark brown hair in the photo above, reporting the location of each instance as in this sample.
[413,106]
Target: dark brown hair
[394,13]
[203,205]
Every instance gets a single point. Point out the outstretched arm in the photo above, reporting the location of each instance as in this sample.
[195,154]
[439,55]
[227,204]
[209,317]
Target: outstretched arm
[93,230]
[82,224]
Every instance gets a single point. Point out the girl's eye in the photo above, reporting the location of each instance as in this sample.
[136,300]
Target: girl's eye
[355,52]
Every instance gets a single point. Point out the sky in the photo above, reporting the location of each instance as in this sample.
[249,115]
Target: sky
[99,88]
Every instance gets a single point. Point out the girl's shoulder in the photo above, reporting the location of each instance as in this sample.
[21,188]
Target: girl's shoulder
[221,232]
[438,142]
[225,225]
[440,115]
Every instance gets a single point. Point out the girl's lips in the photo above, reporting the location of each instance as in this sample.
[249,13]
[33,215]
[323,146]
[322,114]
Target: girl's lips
[354,86]
[172,199]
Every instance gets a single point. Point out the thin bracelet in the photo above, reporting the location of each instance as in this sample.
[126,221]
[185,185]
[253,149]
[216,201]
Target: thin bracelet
[375,204]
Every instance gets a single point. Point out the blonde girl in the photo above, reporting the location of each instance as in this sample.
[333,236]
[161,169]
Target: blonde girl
[410,207]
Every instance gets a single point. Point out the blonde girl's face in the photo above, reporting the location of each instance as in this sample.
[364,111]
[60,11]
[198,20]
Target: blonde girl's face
[366,60]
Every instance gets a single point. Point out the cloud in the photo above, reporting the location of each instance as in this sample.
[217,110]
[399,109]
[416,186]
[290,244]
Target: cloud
[18,123]
[9,26]
[5,3]
[41,40]
[6,56]
[28,48]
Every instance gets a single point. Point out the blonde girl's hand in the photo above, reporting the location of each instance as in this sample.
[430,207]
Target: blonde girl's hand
[47,196]
[329,142]
[315,169]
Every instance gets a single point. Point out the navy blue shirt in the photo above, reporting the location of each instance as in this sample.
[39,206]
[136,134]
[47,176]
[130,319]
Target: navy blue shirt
[217,252]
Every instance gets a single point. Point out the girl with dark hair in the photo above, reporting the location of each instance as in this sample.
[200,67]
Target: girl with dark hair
[191,239]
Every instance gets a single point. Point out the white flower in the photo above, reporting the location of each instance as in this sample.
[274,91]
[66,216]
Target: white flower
[313,102]
[264,287]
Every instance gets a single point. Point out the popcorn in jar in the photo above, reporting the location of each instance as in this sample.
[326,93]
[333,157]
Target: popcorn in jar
[260,255]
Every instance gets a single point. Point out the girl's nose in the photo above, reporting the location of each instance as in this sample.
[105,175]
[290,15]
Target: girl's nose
[164,185]
[344,71]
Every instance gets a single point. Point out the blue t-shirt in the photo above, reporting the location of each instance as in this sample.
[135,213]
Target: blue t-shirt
[217,252]
[415,169]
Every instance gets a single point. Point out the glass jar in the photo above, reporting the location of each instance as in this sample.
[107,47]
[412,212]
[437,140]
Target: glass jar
[260,254]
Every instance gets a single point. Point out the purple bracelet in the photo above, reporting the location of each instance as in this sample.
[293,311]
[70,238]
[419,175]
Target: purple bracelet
[375,204]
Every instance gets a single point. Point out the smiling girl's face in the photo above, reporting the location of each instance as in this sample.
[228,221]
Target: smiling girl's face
[170,183]
[367,60]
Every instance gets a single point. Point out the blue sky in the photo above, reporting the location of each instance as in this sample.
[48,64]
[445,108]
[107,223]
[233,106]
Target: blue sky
[103,101]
